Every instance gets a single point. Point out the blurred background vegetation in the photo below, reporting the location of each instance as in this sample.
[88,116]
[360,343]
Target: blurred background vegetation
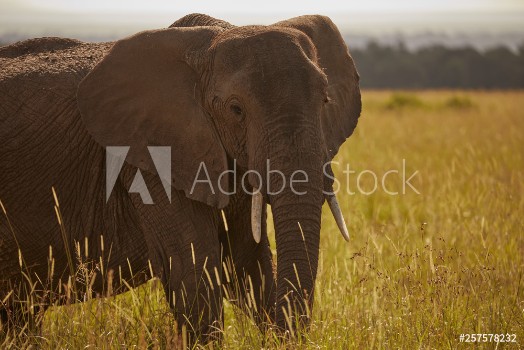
[437,66]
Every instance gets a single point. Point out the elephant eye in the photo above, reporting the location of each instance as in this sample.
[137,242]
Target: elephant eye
[237,111]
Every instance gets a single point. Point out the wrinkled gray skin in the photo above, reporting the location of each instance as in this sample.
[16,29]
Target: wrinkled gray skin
[213,92]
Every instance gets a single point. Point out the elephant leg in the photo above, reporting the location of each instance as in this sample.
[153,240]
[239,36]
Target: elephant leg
[12,319]
[14,312]
[17,317]
[193,286]
[182,239]
[248,265]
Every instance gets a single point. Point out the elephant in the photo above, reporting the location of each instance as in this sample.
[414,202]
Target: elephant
[232,107]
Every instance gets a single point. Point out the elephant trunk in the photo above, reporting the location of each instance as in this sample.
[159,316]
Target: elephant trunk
[297,232]
[296,211]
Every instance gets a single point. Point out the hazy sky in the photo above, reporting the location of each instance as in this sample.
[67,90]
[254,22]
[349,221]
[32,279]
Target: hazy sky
[99,17]
[266,6]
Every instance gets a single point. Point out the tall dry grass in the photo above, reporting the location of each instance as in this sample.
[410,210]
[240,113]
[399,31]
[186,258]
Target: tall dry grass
[420,268]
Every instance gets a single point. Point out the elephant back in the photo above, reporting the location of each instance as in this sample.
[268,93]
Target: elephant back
[37,45]
[44,60]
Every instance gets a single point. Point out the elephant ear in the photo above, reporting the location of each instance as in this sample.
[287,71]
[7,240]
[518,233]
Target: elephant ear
[144,93]
[340,115]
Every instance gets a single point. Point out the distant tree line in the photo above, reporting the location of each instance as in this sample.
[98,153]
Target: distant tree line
[439,67]
[435,67]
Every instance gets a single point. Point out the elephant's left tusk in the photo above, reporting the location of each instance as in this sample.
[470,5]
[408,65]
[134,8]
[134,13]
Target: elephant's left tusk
[337,213]
[256,215]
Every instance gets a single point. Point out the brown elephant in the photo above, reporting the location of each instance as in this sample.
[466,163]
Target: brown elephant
[268,100]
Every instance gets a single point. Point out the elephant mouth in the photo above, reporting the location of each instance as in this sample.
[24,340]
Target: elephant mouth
[258,201]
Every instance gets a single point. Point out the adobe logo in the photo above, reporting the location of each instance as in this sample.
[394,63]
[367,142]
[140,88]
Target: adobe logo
[115,158]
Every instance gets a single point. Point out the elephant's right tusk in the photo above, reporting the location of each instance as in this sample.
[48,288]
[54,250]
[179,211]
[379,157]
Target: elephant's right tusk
[256,215]
[337,213]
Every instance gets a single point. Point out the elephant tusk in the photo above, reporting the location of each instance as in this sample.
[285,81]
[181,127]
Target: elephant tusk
[256,215]
[337,213]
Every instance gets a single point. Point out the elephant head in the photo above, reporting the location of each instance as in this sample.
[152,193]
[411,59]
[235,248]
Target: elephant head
[272,98]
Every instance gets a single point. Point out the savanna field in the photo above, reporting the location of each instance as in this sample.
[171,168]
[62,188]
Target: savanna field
[421,268]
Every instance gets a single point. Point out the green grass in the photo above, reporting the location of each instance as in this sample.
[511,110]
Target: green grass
[420,268]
